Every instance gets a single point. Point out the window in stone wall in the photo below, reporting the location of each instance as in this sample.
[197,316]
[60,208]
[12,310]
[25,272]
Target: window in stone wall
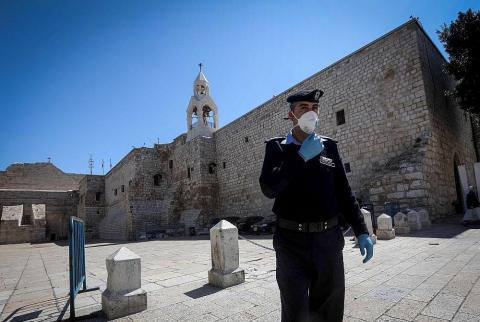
[26,219]
[157,179]
[123,188]
[211,168]
[129,183]
[170,164]
[188,173]
[340,117]
[347,167]
[115,191]
[246,139]
[224,165]
[97,196]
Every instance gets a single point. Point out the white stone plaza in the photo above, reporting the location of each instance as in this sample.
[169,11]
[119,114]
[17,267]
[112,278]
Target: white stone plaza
[429,275]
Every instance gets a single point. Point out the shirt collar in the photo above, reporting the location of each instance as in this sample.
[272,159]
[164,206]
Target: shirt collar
[290,139]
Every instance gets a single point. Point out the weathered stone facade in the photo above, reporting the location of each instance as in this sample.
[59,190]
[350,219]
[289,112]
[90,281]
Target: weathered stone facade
[52,225]
[400,139]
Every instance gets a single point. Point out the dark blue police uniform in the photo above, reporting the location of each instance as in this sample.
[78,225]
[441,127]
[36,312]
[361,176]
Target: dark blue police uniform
[311,198]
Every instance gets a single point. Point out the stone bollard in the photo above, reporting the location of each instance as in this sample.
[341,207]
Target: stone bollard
[124,295]
[425,219]
[414,220]
[385,229]
[225,258]
[401,224]
[367,217]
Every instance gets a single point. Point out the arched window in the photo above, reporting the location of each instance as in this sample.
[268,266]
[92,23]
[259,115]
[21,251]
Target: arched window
[157,179]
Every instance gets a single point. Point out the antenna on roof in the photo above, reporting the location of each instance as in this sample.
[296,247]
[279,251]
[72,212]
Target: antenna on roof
[103,171]
[110,163]
[90,164]
[49,160]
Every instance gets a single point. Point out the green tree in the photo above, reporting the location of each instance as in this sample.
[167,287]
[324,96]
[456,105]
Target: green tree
[461,40]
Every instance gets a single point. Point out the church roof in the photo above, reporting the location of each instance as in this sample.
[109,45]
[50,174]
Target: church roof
[201,77]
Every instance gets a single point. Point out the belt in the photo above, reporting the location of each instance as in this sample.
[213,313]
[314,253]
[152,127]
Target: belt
[308,227]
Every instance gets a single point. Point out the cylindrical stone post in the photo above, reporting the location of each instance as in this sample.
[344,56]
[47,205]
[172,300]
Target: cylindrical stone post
[124,295]
[225,257]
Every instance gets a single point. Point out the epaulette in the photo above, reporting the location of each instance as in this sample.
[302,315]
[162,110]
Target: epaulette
[277,138]
[327,138]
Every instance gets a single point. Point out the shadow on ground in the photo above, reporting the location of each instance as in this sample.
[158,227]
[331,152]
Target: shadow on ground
[202,291]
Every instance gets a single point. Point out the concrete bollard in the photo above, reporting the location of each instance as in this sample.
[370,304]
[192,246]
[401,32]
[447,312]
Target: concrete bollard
[367,217]
[414,220]
[401,224]
[225,257]
[425,219]
[385,229]
[124,295]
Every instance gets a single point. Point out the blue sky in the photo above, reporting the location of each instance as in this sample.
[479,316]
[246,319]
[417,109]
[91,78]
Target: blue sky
[98,77]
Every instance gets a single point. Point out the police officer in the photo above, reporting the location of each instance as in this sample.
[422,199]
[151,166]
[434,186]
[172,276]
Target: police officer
[304,173]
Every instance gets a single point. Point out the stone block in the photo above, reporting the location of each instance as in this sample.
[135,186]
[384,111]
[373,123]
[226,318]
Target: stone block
[386,234]
[119,305]
[225,256]
[367,217]
[414,220]
[124,295]
[401,224]
[385,229]
[384,222]
[424,218]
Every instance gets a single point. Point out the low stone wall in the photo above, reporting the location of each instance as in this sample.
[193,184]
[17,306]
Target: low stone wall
[22,223]
[58,206]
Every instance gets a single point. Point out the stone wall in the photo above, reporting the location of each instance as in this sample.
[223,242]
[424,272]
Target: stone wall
[91,205]
[38,176]
[450,135]
[380,89]
[22,223]
[183,194]
[116,223]
[58,207]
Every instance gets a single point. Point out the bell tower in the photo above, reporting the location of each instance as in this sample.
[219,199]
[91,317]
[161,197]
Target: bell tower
[202,114]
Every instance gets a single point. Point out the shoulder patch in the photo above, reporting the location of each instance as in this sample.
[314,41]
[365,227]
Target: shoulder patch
[276,138]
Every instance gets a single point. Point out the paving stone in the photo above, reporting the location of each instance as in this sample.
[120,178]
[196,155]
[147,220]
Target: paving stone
[406,309]
[407,274]
[465,317]
[443,306]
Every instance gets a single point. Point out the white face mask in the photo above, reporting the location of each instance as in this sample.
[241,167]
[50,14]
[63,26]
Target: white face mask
[308,121]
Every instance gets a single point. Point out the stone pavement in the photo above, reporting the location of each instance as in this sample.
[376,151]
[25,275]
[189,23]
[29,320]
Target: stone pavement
[430,276]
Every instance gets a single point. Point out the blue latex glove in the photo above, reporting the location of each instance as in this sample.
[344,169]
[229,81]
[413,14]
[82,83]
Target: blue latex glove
[311,147]
[364,242]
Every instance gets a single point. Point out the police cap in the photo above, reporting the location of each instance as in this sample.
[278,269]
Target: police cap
[306,95]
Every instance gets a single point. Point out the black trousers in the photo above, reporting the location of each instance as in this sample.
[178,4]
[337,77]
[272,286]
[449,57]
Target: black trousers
[310,274]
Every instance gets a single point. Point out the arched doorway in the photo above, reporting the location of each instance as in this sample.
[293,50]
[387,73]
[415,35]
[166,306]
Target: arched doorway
[458,186]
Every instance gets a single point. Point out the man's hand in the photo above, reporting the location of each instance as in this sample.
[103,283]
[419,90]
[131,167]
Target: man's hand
[364,242]
[311,147]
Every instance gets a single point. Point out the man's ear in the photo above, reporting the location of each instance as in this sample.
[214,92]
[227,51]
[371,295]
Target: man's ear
[290,115]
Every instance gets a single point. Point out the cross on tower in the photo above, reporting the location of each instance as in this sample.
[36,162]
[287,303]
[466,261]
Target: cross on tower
[200,65]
